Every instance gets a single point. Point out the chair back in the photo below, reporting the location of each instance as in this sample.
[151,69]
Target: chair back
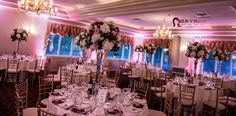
[187,92]
[21,91]
[169,102]
[66,75]
[141,88]
[222,96]
[45,86]
[218,82]
[150,73]
[44,112]
[13,64]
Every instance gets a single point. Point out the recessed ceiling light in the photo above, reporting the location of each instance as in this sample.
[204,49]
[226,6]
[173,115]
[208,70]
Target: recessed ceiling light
[202,15]
[137,19]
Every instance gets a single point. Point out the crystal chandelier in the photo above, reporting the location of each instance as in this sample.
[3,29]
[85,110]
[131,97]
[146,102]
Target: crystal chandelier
[163,32]
[38,6]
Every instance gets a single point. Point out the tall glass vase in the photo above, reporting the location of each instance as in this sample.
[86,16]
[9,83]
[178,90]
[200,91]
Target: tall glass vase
[100,54]
[148,61]
[218,68]
[17,47]
[195,67]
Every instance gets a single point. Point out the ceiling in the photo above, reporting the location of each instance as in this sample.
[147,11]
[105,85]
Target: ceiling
[145,15]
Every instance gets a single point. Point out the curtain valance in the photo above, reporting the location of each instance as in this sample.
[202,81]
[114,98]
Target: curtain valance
[162,43]
[127,40]
[228,46]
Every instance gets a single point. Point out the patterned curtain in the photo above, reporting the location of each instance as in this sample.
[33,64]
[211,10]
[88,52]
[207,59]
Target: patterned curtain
[162,43]
[62,29]
[228,46]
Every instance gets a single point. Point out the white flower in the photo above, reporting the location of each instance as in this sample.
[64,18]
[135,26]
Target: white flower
[82,43]
[77,38]
[202,52]
[105,28]
[222,56]
[108,45]
[216,58]
[24,35]
[194,48]
[18,36]
[193,54]
[96,37]
[20,30]
[149,47]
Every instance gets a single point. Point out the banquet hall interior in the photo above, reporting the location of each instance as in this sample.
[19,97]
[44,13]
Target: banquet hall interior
[118,58]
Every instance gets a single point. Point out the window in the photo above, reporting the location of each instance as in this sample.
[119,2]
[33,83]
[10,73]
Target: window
[123,53]
[62,46]
[209,64]
[234,65]
[226,67]
[160,59]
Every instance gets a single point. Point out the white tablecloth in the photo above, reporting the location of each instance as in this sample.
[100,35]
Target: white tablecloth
[201,95]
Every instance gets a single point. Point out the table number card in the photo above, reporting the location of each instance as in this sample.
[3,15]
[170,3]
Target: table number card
[102,95]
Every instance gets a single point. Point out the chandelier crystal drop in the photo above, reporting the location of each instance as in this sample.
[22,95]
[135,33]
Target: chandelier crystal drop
[163,32]
[38,6]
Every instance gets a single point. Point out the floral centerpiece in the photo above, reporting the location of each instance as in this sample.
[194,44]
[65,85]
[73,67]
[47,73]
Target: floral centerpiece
[138,48]
[149,48]
[19,34]
[101,36]
[220,56]
[197,51]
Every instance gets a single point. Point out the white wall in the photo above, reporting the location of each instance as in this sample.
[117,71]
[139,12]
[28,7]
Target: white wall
[10,19]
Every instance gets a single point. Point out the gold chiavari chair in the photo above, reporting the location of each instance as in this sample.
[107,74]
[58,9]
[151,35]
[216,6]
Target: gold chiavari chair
[12,70]
[78,78]
[141,88]
[212,108]
[168,108]
[113,81]
[218,82]
[43,112]
[134,76]
[33,71]
[187,98]
[159,90]
[46,84]
[22,100]
[66,76]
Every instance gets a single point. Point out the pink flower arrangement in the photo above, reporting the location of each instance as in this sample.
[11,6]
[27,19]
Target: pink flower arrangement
[100,35]
[220,55]
[197,51]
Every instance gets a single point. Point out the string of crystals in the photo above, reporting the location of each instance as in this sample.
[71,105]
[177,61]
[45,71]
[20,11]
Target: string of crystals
[38,6]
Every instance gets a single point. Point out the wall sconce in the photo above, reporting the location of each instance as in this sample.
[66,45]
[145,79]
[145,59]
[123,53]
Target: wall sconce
[183,48]
[30,29]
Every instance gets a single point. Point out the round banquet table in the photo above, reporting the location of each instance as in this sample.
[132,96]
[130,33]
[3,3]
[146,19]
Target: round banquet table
[78,95]
[202,94]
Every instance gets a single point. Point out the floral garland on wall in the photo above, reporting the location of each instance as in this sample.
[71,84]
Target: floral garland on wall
[220,55]
[100,36]
[19,34]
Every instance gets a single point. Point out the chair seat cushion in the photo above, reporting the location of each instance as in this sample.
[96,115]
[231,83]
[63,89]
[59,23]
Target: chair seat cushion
[212,104]
[13,70]
[32,70]
[30,111]
[159,89]
[44,102]
[156,113]
[163,95]
[187,102]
